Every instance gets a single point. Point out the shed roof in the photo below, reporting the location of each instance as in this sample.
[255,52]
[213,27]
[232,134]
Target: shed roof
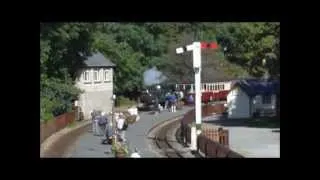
[98,60]
[255,87]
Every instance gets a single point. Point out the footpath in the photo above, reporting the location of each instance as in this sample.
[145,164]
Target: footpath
[89,146]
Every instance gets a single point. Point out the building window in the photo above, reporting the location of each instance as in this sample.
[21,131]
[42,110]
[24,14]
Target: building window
[106,76]
[96,77]
[266,99]
[86,76]
[222,86]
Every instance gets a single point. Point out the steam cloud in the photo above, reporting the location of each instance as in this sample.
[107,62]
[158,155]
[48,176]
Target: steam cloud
[153,76]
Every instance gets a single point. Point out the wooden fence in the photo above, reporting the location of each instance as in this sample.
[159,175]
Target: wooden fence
[212,142]
[217,134]
[55,125]
[213,149]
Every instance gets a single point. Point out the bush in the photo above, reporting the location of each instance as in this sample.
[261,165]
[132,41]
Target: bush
[123,101]
[56,97]
[46,108]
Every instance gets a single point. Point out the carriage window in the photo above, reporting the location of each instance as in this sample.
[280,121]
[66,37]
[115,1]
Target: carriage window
[223,86]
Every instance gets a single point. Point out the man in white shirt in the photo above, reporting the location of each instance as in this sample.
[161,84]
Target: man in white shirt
[120,127]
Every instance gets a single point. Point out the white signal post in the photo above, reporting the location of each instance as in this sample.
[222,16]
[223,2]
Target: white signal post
[195,47]
[197,81]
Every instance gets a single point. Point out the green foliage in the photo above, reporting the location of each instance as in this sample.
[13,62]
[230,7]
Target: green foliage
[119,148]
[60,45]
[123,101]
[46,108]
[135,47]
[56,97]
[249,43]
[132,48]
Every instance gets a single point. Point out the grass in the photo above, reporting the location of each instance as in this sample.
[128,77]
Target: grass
[71,125]
[124,102]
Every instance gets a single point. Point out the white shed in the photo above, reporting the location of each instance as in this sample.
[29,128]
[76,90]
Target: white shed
[238,103]
[247,97]
[96,80]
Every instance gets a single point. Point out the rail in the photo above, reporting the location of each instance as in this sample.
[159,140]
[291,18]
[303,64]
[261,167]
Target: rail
[164,142]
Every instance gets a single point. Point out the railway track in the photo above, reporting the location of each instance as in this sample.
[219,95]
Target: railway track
[163,143]
[164,140]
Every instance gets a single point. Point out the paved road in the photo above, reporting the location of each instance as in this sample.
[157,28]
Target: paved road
[255,142]
[137,133]
[250,141]
[88,145]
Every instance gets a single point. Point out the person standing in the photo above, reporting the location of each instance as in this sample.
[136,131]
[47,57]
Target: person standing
[107,130]
[173,102]
[95,122]
[166,104]
[122,127]
[103,122]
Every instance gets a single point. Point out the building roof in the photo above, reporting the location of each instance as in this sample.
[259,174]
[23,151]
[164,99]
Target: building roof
[255,87]
[98,60]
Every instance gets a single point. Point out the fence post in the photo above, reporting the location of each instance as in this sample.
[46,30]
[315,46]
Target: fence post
[205,148]
[220,135]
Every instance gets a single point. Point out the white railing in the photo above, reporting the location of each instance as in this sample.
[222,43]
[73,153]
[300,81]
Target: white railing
[207,87]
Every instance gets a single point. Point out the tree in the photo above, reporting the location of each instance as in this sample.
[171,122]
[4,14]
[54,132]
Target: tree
[136,47]
[249,43]
[60,45]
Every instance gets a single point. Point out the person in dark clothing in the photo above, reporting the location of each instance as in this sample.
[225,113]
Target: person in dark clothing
[108,130]
[173,102]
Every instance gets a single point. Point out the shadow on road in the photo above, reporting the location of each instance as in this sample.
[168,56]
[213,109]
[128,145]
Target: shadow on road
[264,122]
[276,131]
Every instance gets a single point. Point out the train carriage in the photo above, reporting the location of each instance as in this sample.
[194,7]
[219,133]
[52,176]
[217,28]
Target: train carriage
[216,91]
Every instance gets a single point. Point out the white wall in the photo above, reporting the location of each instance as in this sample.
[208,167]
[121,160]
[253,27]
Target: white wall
[238,103]
[97,95]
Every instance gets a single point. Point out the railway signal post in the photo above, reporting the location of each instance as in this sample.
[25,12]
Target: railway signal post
[196,47]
